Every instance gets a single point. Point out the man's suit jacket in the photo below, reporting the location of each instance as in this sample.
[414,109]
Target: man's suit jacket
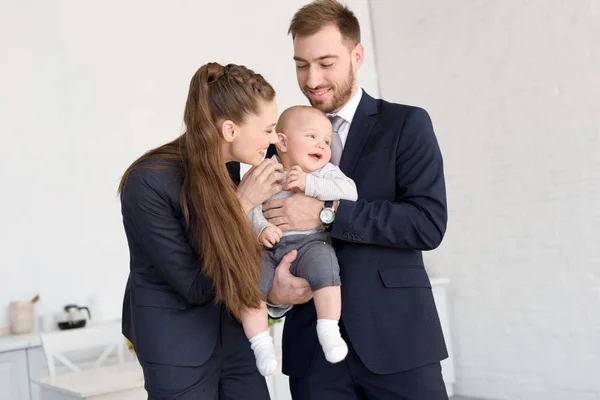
[388,309]
[168,309]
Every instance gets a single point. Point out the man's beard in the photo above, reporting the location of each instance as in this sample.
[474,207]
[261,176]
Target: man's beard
[341,95]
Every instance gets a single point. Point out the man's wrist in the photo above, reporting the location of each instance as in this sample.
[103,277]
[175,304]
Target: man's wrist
[327,214]
[274,302]
[276,312]
[276,305]
[269,301]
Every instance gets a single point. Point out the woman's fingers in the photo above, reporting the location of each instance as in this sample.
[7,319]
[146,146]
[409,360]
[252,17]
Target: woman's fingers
[270,173]
[259,184]
[258,169]
[274,189]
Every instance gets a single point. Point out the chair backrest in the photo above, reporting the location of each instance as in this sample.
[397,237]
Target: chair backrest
[106,336]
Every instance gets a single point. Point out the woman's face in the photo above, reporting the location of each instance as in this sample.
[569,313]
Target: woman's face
[249,141]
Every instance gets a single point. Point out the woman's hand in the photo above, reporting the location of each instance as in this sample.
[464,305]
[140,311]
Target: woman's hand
[259,183]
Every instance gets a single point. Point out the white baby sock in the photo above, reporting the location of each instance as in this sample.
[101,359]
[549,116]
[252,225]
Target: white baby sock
[264,352]
[333,345]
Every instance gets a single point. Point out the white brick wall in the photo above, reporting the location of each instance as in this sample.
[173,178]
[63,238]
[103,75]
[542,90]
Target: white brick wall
[513,88]
[85,88]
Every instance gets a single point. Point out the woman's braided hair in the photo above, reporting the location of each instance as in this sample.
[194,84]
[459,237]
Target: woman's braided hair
[217,226]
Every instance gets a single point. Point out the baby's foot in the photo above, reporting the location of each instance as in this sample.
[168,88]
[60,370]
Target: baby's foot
[264,352]
[334,347]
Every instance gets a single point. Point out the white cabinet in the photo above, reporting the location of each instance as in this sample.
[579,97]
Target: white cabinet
[17,369]
[37,368]
[14,378]
[22,360]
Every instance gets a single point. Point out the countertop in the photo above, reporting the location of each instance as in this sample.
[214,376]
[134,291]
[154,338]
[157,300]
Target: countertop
[10,342]
[19,342]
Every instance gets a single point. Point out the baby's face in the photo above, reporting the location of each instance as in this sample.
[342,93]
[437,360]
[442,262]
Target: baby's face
[309,143]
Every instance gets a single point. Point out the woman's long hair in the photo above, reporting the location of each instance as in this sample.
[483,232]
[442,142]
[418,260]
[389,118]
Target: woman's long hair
[217,226]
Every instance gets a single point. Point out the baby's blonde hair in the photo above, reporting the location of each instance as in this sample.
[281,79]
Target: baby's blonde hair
[287,115]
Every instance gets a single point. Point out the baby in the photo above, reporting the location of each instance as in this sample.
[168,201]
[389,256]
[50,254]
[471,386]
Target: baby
[304,150]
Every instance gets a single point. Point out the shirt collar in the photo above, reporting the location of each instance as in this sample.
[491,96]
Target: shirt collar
[347,112]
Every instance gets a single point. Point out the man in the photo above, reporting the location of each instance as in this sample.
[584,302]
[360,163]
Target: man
[389,319]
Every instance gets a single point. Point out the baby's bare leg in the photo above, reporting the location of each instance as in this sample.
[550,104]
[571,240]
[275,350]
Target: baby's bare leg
[255,320]
[328,302]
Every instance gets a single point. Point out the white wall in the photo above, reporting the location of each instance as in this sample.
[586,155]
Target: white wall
[513,88]
[87,87]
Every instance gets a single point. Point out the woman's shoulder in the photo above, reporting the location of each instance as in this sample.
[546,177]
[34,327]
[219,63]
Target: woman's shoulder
[158,175]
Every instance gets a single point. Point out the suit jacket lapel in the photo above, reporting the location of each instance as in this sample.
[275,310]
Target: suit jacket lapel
[359,133]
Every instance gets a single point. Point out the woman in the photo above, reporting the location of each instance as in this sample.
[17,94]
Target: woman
[194,260]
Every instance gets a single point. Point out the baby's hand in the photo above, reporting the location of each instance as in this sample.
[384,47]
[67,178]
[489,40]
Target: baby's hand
[270,236]
[295,180]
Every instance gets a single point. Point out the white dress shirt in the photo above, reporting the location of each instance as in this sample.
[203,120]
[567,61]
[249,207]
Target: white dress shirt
[347,113]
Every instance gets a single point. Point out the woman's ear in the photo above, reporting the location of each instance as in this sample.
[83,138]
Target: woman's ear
[282,142]
[228,130]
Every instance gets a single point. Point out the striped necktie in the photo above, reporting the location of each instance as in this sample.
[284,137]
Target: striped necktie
[336,141]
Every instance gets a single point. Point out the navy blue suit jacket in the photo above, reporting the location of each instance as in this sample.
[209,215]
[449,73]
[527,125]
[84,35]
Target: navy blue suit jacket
[388,309]
[168,309]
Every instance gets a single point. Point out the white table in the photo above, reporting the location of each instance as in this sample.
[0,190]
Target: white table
[115,382]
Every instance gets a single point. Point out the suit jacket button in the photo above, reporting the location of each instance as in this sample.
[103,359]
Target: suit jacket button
[345,235]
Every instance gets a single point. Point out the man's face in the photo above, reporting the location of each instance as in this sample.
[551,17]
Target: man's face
[326,68]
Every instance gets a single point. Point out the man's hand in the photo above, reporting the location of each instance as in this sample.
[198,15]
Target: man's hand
[287,288]
[295,180]
[296,213]
[270,236]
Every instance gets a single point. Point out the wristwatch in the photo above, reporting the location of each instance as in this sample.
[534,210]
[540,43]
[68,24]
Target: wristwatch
[327,214]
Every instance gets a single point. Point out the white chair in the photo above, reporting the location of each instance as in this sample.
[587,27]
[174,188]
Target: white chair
[107,336]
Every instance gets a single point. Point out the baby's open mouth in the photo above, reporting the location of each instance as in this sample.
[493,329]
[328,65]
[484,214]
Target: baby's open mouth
[316,156]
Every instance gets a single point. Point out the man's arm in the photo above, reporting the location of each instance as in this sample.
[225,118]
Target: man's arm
[331,184]
[159,231]
[418,217]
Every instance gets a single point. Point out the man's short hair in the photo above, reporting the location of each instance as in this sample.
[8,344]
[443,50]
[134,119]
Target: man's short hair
[315,16]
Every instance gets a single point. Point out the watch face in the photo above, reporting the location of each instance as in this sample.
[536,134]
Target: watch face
[327,216]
